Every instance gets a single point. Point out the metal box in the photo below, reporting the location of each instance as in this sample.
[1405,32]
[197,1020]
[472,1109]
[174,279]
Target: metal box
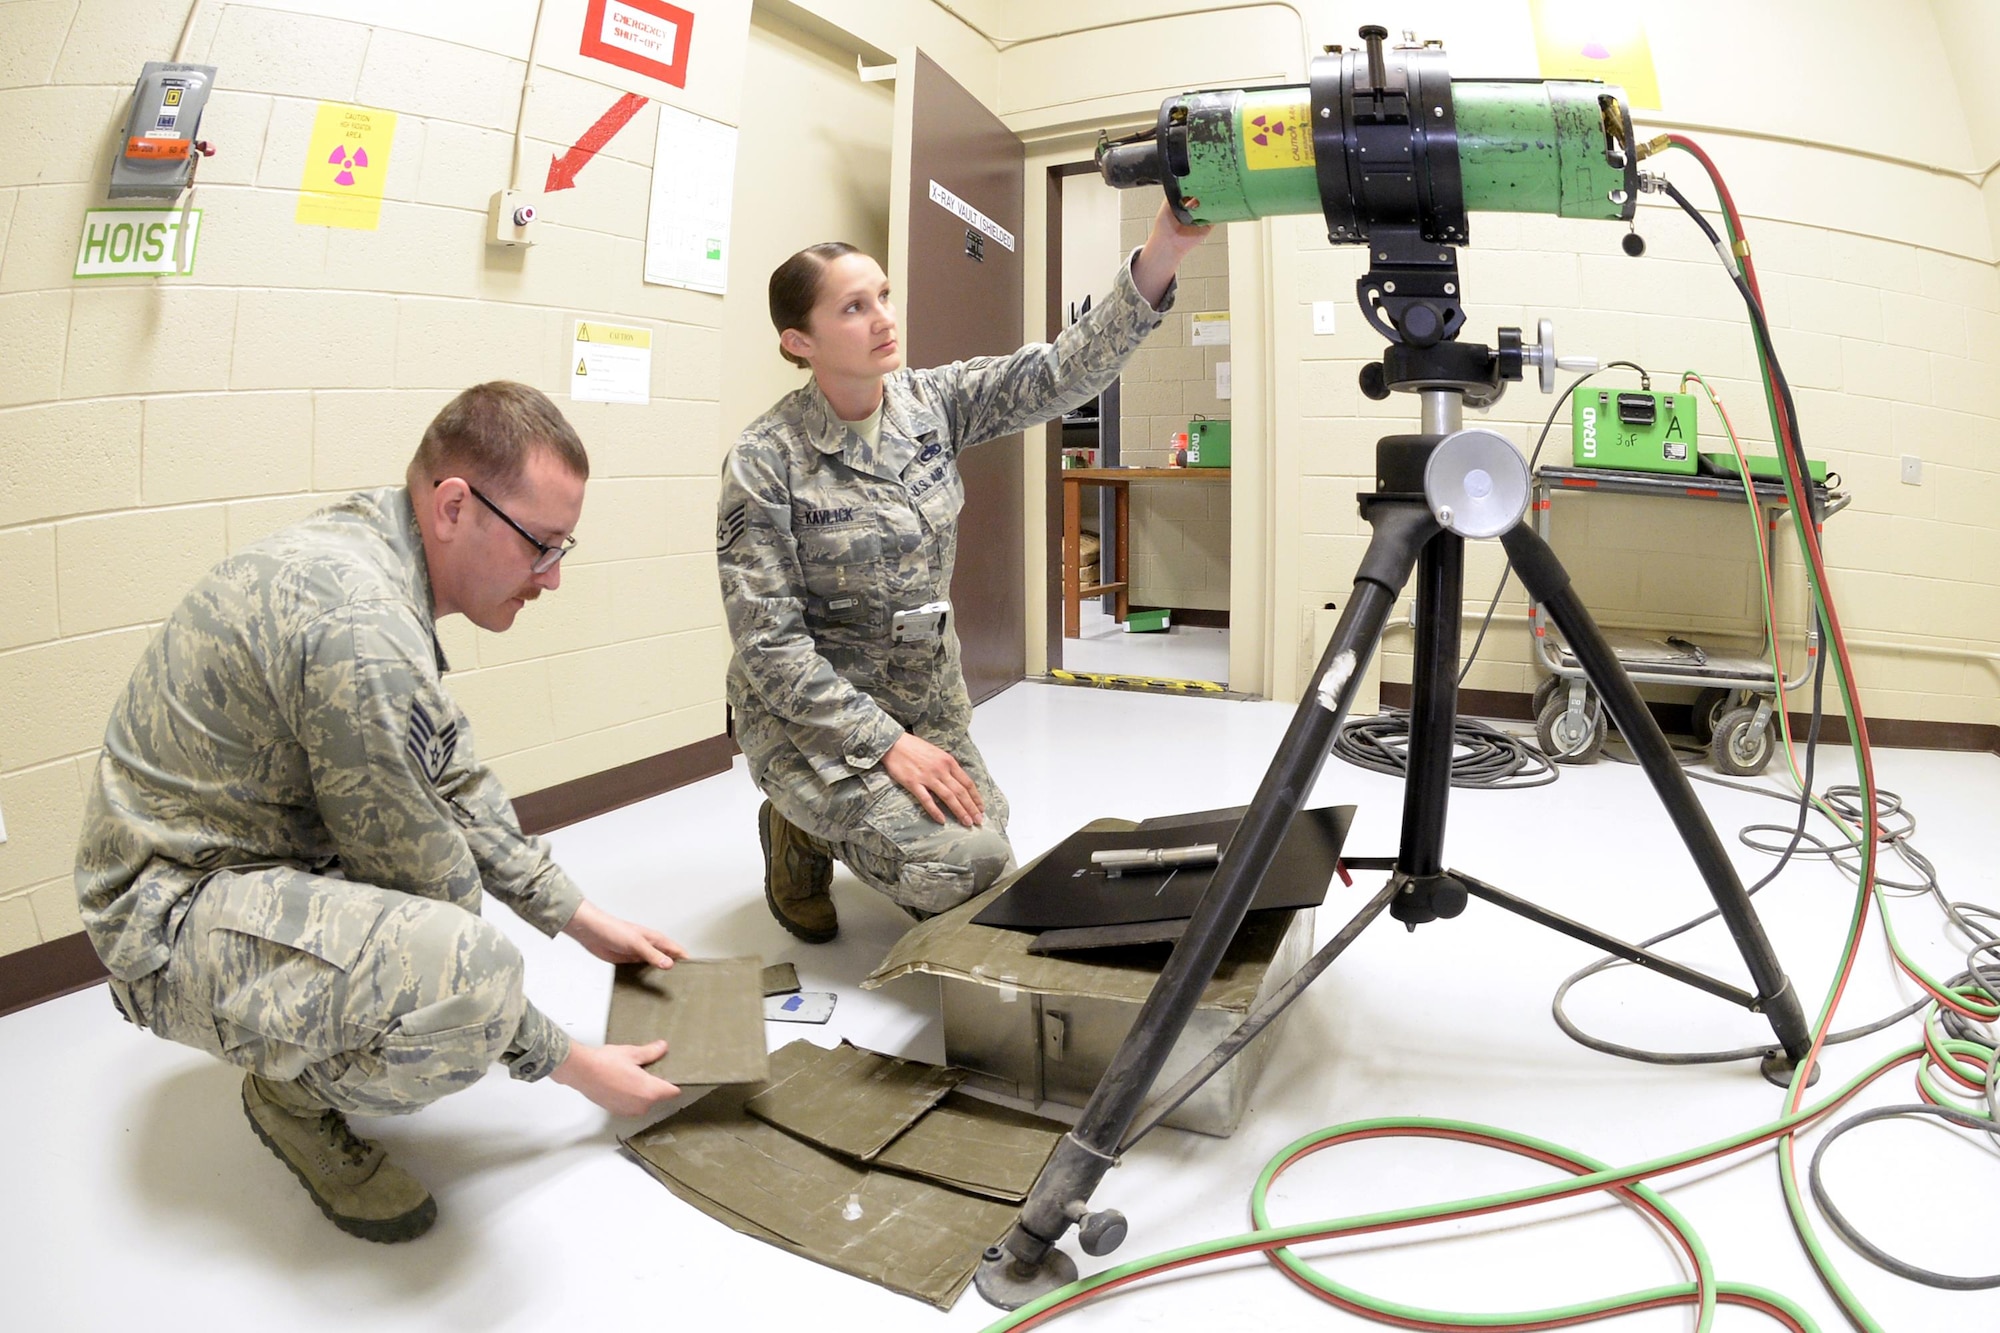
[1055,1042]
[1635,431]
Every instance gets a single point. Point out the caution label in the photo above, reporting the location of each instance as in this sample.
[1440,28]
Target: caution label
[614,363]
[1277,138]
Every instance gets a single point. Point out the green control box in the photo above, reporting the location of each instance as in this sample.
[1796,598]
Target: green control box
[1635,431]
[1208,443]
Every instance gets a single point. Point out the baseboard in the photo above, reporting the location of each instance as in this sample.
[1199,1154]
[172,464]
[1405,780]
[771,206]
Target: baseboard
[595,794]
[1199,617]
[46,971]
[1678,720]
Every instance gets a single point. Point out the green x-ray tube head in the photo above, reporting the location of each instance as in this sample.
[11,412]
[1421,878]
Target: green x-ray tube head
[1250,154]
[1553,147]
[1556,147]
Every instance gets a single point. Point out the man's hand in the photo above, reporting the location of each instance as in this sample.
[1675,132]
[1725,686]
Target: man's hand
[615,1076]
[932,775]
[616,940]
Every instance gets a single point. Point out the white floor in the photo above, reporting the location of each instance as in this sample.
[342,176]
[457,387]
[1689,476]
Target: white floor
[1181,652]
[137,1198]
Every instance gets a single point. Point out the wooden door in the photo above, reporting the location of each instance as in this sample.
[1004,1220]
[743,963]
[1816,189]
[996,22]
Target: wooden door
[961,297]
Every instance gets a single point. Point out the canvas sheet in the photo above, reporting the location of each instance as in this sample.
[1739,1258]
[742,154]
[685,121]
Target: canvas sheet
[977,1146]
[911,1235]
[710,1010]
[853,1101]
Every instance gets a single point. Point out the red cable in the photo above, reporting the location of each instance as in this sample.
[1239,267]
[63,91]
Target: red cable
[1615,1184]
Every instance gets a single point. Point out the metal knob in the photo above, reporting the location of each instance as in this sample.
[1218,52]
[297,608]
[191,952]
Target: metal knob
[1099,1233]
[1543,356]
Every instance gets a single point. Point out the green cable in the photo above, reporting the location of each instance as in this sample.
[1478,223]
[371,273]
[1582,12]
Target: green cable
[1704,1286]
[1787,1170]
[1984,1009]
[1266,1237]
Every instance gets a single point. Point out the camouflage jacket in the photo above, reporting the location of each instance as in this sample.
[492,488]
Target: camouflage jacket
[291,711]
[821,539]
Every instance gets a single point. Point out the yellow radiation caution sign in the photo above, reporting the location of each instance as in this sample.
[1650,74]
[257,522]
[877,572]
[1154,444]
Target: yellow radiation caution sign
[1278,137]
[347,161]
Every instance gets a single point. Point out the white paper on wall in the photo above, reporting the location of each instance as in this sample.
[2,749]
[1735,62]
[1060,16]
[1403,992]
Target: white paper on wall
[1222,380]
[1210,328]
[687,223]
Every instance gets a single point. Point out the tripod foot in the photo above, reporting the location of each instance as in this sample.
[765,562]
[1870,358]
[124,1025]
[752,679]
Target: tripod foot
[1008,1283]
[1778,1067]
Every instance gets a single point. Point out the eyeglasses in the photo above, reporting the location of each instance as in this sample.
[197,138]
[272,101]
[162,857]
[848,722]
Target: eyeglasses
[548,556]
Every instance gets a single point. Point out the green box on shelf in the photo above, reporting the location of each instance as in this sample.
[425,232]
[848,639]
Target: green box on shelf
[1208,443]
[1635,431]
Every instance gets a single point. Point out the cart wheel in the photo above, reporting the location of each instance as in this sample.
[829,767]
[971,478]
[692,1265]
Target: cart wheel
[1567,742]
[1709,706]
[1741,747]
[1544,692]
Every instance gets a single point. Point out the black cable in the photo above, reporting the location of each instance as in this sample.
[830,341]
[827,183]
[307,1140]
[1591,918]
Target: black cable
[1854,1238]
[1812,755]
[1483,758]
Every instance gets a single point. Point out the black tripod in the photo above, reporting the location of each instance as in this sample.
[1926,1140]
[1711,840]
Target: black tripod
[1415,528]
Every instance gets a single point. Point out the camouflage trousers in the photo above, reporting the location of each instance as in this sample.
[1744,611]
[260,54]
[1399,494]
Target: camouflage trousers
[877,830]
[345,995]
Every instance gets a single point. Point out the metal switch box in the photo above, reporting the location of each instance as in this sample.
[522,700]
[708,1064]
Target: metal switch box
[157,151]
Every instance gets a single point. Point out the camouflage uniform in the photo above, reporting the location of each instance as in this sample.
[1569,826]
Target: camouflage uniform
[288,834]
[821,539]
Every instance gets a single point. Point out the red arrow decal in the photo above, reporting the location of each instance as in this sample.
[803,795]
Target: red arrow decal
[563,170]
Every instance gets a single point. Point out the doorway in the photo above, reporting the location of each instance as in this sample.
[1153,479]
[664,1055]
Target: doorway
[1176,538]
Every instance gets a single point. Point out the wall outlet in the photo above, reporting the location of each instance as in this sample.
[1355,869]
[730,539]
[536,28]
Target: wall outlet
[1913,470]
[513,217]
[1323,317]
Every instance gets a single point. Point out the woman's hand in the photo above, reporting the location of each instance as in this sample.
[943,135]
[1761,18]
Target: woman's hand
[931,775]
[615,1077]
[616,940]
[1165,248]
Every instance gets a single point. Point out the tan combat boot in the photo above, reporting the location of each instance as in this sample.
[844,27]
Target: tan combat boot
[798,878]
[350,1179]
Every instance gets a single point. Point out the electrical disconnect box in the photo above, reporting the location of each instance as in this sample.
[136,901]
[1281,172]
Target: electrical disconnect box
[157,152]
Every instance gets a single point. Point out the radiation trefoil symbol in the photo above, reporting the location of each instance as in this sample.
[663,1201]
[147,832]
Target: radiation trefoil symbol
[347,162]
[1262,138]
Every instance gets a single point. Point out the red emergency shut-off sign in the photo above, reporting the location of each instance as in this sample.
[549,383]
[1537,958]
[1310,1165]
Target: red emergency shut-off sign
[648,37]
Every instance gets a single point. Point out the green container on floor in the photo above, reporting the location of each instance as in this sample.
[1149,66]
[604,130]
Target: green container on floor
[1208,443]
[1148,622]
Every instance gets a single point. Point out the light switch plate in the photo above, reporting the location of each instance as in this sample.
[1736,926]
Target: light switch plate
[1913,470]
[3,828]
[1323,317]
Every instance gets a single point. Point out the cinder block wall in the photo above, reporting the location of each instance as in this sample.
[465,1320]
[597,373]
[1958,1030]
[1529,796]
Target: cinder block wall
[149,427]
[1179,529]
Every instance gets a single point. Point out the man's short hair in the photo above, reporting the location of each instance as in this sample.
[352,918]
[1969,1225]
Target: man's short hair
[486,434]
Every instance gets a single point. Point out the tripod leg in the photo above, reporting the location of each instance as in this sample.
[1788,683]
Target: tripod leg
[1544,577]
[1017,1271]
[1427,893]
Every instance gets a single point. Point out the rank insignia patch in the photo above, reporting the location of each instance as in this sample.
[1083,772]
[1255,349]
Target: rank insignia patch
[429,745]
